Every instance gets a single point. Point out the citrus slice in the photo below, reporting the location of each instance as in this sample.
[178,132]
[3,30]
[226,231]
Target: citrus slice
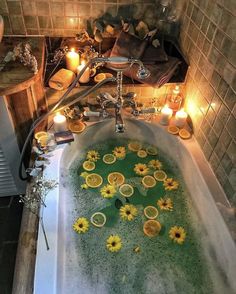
[148,182]
[98,219]
[43,140]
[184,134]
[89,165]
[134,146]
[108,75]
[99,77]
[94,180]
[76,126]
[151,150]
[40,134]
[116,179]
[142,153]
[109,158]
[151,228]
[126,190]
[160,175]
[173,130]
[150,212]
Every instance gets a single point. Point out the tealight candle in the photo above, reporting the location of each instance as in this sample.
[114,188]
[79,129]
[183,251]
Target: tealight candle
[85,76]
[72,60]
[166,114]
[180,118]
[60,124]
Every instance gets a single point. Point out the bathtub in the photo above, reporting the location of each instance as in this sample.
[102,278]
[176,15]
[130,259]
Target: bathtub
[219,247]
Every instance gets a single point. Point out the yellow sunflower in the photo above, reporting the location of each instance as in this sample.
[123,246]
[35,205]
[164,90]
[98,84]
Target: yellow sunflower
[81,225]
[119,152]
[128,212]
[108,191]
[165,204]
[155,164]
[84,186]
[170,184]
[114,243]
[93,155]
[177,234]
[141,169]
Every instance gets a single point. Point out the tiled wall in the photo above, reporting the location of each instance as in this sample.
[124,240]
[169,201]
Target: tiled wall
[208,38]
[64,17]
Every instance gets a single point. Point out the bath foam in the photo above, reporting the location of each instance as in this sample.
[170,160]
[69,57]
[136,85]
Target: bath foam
[161,266]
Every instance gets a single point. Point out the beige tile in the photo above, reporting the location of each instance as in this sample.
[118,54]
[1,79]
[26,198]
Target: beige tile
[42,8]
[29,7]
[57,8]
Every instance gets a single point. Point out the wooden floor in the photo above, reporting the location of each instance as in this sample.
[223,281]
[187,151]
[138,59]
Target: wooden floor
[10,219]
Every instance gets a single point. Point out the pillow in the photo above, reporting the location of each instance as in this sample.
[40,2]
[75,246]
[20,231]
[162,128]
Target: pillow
[127,45]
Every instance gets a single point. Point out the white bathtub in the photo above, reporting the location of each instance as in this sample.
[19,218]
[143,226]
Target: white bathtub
[199,179]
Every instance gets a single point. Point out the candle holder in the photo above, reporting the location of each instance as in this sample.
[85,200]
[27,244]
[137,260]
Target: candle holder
[174,101]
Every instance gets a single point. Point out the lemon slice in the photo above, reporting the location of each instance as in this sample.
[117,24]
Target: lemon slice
[142,153]
[160,175]
[98,219]
[151,228]
[99,77]
[43,140]
[89,165]
[109,158]
[173,130]
[150,212]
[116,179]
[40,134]
[94,180]
[134,146]
[148,182]
[76,126]
[151,150]
[126,190]
[184,134]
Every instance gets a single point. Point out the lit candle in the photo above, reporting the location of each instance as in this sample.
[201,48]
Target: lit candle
[85,76]
[60,124]
[166,114]
[180,118]
[72,60]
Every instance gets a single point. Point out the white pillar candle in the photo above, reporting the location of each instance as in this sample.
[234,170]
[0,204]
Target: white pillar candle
[85,76]
[166,114]
[60,124]
[72,60]
[180,118]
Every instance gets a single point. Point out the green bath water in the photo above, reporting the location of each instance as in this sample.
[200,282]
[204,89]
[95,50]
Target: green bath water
[161,266]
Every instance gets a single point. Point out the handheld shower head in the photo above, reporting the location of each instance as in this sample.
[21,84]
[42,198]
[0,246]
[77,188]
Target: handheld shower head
[142,73]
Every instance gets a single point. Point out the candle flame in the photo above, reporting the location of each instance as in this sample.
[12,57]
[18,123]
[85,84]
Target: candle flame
[72,50]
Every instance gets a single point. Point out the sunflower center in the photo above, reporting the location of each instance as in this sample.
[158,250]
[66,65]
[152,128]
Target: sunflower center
[80,225]
[128,212]
[113,244]
[177,235]
[141,169]
[164,203]
[108,192]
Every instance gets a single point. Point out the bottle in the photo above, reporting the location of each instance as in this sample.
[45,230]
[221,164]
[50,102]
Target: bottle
[174,100]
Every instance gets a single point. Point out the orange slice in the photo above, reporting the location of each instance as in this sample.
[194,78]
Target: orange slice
[173,130]
[150,212]
[142,153]
[116,179]
[151,150]
[89,165]
[126,190]
[160,175]
[148,182]
[94,180]
[40,134]
[109,158]
[184,134]
[99,77]
[76,126]
[98,219]
[134,146]
[151,228]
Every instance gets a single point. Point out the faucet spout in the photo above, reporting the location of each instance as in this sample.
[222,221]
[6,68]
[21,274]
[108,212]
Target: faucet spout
[119,126]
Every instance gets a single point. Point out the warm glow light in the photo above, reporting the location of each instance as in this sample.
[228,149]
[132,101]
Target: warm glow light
[72,50]
[166,114]
[60,123]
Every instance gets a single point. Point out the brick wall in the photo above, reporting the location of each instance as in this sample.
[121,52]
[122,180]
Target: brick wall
[208,38]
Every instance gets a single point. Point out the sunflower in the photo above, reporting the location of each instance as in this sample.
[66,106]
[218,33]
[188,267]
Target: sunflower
[128,212]
[165,204]
[84,174]
[177,234]
[93,155]
[119,152]
[170,184]
[108,191]
[155,164]
[114,243]
[84,186]
[141,169]
[81,225]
